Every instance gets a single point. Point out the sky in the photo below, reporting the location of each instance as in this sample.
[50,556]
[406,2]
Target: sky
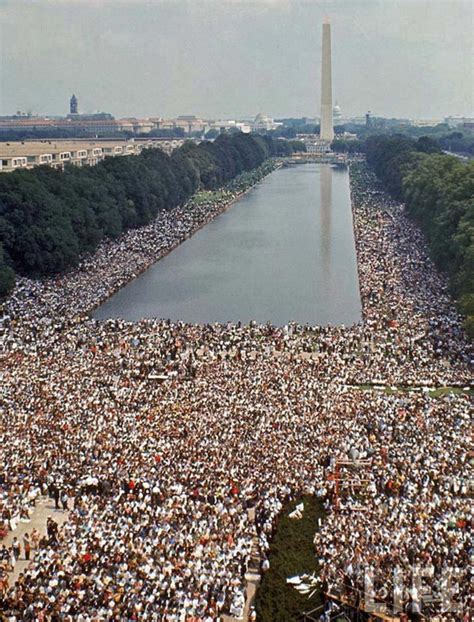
[235,58]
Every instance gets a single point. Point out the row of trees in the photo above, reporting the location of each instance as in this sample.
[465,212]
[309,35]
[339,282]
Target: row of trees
[48,218]
[344,145]
[78,132]
[457,142]
[438,191]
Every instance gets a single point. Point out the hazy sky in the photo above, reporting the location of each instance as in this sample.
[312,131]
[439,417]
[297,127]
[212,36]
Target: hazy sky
[225,58]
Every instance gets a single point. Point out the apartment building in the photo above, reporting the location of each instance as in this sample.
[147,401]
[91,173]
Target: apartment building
[58,153]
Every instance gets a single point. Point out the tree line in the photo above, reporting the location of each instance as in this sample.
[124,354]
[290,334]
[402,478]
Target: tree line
[438,191]
[49,218]
[447,140]
[83,132]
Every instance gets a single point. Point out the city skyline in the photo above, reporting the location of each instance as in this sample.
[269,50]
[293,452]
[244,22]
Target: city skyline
[121,57]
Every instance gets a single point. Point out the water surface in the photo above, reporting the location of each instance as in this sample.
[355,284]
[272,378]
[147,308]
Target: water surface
[285,251]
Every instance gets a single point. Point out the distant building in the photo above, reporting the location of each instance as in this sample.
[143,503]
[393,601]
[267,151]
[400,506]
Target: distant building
[337,115]
[95,116]
[369,120]
[187,117]
[347,136]
[425,122]
[100,123]
[165,124]
[188,123]
[191,123]
[73,105]
[243,127]
[458,121]
[315,145]
[264,123]
[59,153]
[231,124]
[136,126]
[25,124]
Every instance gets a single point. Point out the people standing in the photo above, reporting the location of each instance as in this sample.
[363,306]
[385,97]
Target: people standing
[16,548]
[27,546]
[64,500]
[35,538]
[55,493]
[52,530]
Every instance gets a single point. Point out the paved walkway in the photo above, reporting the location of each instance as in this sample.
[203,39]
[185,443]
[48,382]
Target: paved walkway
[253,579]
[44,508]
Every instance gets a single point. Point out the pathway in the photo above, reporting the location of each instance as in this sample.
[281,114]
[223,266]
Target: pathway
[44,508]
[252,578]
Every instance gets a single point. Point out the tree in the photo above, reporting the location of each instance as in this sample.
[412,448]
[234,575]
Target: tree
[211,134]
[427,145]
[7,276]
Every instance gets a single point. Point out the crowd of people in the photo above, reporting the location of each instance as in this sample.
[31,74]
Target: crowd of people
[163,435]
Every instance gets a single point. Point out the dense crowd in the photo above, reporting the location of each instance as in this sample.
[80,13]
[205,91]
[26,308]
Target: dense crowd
[165,434]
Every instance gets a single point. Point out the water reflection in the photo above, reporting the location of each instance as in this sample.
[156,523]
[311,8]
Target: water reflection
[271,257]
[325,193]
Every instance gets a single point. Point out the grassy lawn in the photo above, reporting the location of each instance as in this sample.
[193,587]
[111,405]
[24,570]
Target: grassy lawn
[291,553]
[208,195]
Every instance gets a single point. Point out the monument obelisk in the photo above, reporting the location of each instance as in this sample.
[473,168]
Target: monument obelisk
[326,131]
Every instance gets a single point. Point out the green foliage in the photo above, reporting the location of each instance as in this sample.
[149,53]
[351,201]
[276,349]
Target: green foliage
[388,155]
[299,126]
[48,218]
[457,142]
[298,146]
[291,553]
[212,133]
[54,133]
[427,144]
[438,190]
[440,137]
[7,276]
[342,145]
[175,132]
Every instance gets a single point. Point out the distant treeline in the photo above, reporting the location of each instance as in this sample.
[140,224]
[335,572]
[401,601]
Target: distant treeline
[438,191]
[56,133]
[455,141]
[75,133]
[49,218]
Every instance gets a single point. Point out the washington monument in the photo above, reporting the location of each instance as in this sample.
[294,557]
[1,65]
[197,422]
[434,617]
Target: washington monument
[326,131]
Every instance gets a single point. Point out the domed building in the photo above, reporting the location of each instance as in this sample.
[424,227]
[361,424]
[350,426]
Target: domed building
[264,123]
[337,115]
